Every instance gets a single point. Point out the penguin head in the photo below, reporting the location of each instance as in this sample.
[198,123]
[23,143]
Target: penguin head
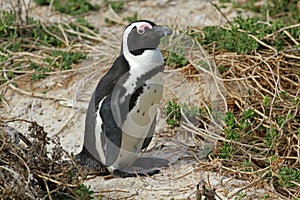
[143,35]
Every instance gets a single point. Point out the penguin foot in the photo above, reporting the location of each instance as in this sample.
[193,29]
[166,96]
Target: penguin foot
[94,166]
[143,166]
[150,162]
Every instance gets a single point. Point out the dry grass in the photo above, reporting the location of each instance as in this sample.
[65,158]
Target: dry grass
[29,170]
[268,85]
[278,78]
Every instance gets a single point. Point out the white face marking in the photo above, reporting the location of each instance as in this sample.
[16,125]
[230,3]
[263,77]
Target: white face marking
[141,28]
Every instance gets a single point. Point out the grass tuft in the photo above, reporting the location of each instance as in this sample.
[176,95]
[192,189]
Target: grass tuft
[71,7]
[240,36]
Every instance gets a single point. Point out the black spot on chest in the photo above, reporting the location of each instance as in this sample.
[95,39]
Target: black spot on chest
[131,99]
[141,85]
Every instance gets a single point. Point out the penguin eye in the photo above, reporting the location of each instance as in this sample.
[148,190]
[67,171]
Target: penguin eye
[141,31]
[141,28]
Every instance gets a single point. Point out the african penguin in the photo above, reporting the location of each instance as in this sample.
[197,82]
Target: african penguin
[120,120]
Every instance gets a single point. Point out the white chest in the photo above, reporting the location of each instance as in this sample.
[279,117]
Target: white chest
[139,66]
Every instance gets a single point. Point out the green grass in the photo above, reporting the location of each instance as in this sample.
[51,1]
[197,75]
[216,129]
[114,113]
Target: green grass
[64,60]
[173,111]
[288,174]
[235,127]
[286,9]
[71,7]
[223,69]
[241,195]
[6,21]
[117,6]
[83,22]
[271,134]
[132,18]
[175,60]
[225,1]
[13,36]
[14,41]
[226,151]
[230,40]
[237,37]
[266,101]
[246,166]
[283,12]
[39,71]
[84,192]
[9,75]
[109,22]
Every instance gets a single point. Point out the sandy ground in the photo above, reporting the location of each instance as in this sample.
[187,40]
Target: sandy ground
[62,110]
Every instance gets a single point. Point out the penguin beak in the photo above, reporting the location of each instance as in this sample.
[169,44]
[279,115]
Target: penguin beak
[162,31]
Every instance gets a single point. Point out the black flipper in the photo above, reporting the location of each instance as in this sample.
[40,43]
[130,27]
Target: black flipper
[112,132]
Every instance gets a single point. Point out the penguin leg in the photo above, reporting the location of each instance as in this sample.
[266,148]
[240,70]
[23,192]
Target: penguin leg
[88,161]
